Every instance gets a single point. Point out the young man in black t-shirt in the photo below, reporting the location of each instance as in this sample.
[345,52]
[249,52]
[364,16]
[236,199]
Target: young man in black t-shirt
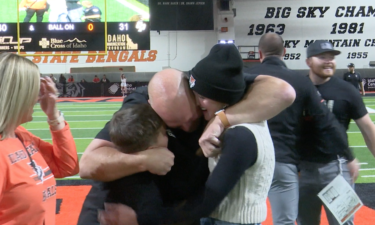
[354,78]
[318,170]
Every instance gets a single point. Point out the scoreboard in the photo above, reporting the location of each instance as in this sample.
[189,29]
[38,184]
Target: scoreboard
[114,32]
[93,36]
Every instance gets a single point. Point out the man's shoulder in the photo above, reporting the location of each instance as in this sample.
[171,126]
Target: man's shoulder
[95,9]
[139,96]
[340,84]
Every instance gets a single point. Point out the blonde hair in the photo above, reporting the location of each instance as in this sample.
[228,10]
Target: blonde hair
[19,87]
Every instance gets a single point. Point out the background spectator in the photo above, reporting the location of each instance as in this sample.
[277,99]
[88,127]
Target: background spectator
[104,79]
[53,78]
[62,80]
[96,79]
[71,79]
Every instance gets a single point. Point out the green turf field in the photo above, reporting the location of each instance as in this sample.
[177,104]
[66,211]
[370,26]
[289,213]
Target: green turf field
[86,119]
[117,10]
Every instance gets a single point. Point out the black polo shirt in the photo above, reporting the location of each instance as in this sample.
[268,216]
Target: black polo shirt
[285,128]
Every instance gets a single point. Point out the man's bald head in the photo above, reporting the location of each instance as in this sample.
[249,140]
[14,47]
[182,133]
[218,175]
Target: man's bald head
[172,99]
[271,44]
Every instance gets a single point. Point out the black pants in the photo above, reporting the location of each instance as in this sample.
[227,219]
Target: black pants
[30,13]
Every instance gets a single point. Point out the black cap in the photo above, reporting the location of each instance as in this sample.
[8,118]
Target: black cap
[351,65]
[219,76]
[319,47]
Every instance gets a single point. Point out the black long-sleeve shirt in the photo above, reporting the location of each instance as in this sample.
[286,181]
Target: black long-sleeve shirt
[239,152]
[285,128]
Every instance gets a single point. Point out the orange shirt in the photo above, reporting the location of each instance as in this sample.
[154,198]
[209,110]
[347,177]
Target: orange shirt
[28,196]
[96,80]
[35,4]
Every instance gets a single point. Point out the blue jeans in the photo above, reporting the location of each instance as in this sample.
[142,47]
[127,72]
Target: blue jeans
[283,194]
[314,177]
[211,221]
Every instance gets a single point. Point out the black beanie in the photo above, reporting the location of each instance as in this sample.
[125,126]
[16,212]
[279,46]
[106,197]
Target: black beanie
[219,76]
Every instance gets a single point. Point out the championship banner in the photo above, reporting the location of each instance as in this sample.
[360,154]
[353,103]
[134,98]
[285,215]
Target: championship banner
[348,25]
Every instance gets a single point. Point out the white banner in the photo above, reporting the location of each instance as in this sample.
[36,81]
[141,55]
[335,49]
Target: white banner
[349,25]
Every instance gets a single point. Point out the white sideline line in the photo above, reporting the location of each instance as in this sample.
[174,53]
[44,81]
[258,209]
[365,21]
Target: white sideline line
[86,107]
[90,128]
[363,163]
[81,111]
[368,176]
[67,115]
[359,146]
[366,169]
[88,138]
[73,121]
[73,177]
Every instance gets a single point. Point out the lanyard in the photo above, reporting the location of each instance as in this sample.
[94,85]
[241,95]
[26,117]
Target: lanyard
[32,163]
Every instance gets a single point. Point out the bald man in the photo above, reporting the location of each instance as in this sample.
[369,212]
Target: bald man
[285,127]
[170,96]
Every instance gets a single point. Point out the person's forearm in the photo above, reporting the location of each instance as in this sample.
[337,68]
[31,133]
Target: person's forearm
[367,128]
[370,143]
[266,98]
[369,137]
[362,88]
[108,164]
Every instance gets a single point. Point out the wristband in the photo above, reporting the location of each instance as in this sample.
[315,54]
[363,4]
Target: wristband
[223,118]
[57,121]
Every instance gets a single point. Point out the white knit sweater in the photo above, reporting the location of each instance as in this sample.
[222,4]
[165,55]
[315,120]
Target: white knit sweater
[246,203]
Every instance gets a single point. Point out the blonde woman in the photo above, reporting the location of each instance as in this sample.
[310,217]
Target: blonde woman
[29,165]
[124,90]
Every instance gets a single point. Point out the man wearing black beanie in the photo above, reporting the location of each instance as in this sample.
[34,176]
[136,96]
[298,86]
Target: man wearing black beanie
[220,75]
[237,188]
